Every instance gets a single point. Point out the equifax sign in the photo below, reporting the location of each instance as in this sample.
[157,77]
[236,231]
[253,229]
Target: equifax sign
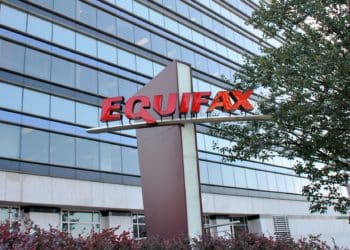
[139,107]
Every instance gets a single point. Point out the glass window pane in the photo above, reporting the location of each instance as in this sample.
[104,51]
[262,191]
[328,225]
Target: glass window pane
[35,145]
[125,30]
[144,66]
[13,18]
[203,172]
[173,50]
[130,161]
[67,8]
[126,59]
[9,143]
[125,4]
[227,175]
[107,52]
[201,62]
[86,79]
[62,150]
[195,15]
[171,25]
[63,36]
[86,13]
[140,10]
[110,157]
[262,180]
[251,179]
[185,32]
[156,18]
[63,71]
[10,96]
[12,56]
[240,177]
[158,44]
[107,84]
[87,153]
[39,27]
[46,3]
[214,172]
[62,109]
[157,68]
[37,64]
[106,22]
[187,56]
[36,103]
[142,38]
[281,183]
[86,44]
[86,115]
[126,88]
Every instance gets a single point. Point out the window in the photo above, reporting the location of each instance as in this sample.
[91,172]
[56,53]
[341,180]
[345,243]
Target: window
[214,172]
[195,15]
[187,56]
[37,64]
[12,56]
[201,63]
[36,103]
[126,59]
[206,224]
[185,32]
[126,88]
[142,38]
[86,79]
[173,50]
[144,66]
[86,114]
[9,143]
[110,157]
[107,52]
[35,145]
[62,150]
[8,214]
[251,179]
[125,4]
[63,36]
[63,71]
[125,30]
[62,109]
[45,3]
[107,85]
[140,10]
[13,18]
[67,8]
[87,153]
[10,96]
[156,18]
[76,222]
[158,44]
[239,226]
[203,171]
[130,161]
[39,27]
[171,25]
[240,177]
[227,175]
[139,226]
[86,44]
[106,22]
[262,180]
[86,13]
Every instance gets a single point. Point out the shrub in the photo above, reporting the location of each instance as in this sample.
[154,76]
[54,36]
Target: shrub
[29,236]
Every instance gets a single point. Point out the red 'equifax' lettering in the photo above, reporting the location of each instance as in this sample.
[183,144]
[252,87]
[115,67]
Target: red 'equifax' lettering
[138,107]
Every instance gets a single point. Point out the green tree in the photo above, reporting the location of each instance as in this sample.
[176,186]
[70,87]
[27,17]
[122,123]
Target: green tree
[307,92]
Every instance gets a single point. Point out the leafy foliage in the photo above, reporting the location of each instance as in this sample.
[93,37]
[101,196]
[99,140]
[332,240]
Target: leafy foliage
[306,85]
[31,237]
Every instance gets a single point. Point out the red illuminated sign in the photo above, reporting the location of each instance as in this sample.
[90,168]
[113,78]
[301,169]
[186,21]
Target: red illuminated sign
[137,107]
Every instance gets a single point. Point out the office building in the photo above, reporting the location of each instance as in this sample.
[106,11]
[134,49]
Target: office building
[59,59]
